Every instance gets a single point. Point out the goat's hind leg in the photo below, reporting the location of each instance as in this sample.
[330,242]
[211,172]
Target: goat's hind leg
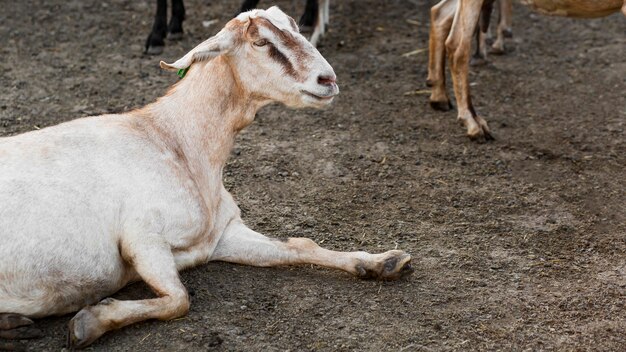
[241,245]
[482,31]
[505,10]
[156,39]
[16,327]
[152,259]
[441,16]
[458,46]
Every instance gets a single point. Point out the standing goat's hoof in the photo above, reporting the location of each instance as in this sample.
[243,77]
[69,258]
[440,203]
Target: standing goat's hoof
[154,50]
[174,36]
[154,45]
[441,105]
[481,135]
[392,266]
[477,61]
[497,50]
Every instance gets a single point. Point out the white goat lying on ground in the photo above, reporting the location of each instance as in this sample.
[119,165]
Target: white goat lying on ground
[93,204]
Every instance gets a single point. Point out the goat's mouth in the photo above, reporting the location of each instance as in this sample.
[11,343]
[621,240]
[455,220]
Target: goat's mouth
[317,96]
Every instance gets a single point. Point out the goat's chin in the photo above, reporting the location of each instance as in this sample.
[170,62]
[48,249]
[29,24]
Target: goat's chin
[309,101]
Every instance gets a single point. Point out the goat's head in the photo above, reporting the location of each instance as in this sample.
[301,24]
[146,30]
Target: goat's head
[273,60]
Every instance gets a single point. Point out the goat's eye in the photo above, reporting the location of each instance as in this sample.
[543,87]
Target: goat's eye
[261,42]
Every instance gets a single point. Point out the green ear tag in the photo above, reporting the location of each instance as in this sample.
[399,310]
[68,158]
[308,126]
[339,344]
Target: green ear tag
[182,72]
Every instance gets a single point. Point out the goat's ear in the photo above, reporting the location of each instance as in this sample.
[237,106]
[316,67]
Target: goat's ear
[219,44]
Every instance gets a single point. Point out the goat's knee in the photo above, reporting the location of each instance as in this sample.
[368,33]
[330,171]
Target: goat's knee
[177,306]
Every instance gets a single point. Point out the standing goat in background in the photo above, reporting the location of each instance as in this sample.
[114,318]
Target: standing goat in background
[93,204]
[453,23]
[315,19]
[503,30]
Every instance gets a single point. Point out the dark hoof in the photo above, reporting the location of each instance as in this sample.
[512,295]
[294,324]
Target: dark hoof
[508,33]
[397,265]
[23,332]
[429,83]
[12,321]
[175,36]
[154,50]
[497,51]
[478,61]
[441,105]
[482,137]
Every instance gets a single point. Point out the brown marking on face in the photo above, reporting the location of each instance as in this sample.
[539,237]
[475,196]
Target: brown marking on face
[287,40]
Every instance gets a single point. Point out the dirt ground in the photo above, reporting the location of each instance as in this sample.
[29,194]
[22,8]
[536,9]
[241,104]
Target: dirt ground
[518,244]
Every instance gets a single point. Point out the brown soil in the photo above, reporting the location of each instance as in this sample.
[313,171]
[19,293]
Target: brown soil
[518,244]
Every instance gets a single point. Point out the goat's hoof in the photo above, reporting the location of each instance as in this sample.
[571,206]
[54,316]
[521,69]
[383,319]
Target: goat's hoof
[84,329]
[441,105]
[481,136]
[395,265]
[154,50]
[496,50]
[477,61]
[21,333]
[12,321]
[175,36]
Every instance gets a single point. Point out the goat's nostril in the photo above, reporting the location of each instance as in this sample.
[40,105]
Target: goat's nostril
[326,80]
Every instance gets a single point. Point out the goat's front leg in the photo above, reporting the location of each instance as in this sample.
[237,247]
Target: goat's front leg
[241,245]
[152,259]
[458,46]
[156,38]
[441,16]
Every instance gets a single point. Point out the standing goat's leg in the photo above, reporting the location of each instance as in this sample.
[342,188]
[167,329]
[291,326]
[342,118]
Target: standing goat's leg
[441,16]
[310,16]
[624,8]
[239,244]
[505,10]
[156,38]
[321,21]
[482,30]
[152,259]
[175,28]
[458,46]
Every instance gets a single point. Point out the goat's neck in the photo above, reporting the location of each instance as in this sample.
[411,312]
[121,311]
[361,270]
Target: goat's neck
[200,117]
